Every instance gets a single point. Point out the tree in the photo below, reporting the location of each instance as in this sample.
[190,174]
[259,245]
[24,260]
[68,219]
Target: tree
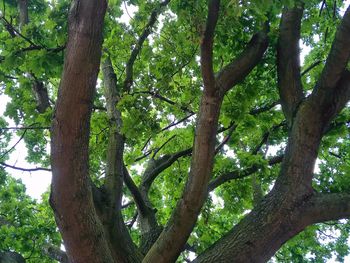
[232,177]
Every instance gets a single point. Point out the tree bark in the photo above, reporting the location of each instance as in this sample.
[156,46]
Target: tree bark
[288,64]
[23,12]
[71,196]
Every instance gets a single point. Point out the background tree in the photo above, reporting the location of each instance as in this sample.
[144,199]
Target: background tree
[201,137]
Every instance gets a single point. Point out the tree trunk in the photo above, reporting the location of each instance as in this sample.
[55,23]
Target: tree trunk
[71,196]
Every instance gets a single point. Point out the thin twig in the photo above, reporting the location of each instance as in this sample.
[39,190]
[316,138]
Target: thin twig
[9,150]
[25,169]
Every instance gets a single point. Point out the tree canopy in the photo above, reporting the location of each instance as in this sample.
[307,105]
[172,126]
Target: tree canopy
[213,131]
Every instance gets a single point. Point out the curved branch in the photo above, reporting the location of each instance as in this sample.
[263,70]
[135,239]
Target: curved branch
[13,146]
[10,256]
[160,165]
[174,236]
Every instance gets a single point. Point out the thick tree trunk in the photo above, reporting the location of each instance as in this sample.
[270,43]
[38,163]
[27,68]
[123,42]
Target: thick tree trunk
[71,196]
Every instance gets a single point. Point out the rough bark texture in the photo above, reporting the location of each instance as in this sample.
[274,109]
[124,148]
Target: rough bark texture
[71,196]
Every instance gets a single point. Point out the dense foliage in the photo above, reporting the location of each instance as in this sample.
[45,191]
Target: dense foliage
[158,112]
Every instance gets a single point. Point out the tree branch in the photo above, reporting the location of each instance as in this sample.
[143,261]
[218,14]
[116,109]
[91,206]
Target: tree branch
[160,165]
[174,236]
[241,66]
[264,108]
[25,128]
[207,46]
[331,102]
[326,207]
[288,64]
[129,70]
[313,65]
[36,169]
[162,146]
[139,201]
[71,194]
[13,146]
[155,94]
[23,12]
[177,122]
[10,256]
[112,218]
[338,56]
[239,174]
[226,138]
